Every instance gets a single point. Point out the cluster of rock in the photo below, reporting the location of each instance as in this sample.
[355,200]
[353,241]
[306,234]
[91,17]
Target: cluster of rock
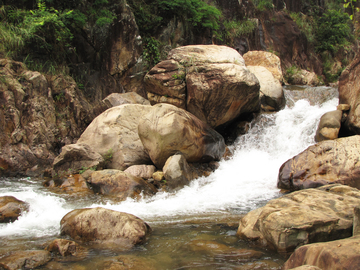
[195,91]
[318,222]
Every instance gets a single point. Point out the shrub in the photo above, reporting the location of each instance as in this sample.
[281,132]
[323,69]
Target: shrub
[333,31]
[263,5]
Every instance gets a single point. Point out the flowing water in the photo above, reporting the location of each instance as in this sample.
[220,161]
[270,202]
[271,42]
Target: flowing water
[208,209]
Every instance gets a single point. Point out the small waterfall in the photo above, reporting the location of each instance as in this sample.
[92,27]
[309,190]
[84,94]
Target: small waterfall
[245,182]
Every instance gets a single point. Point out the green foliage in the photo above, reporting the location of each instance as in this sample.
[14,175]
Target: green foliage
[108,156]
[151,15]
[290,73]
[151,51]
[263,5]
[333,31]
[41,30]
[235,29]
[84,169]
[351,4]
[306,24]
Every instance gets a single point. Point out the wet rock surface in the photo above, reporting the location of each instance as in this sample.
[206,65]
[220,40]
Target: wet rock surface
[11,208]
[327,162]
[302,217]
[340,254]
[28,259]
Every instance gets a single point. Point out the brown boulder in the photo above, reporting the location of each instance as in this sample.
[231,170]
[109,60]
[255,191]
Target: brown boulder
[104,227]
[75,157]
[11,208]
[349,93]
[72,184]
[119,184]
[167,80]
[220,93]
[265,59]
[302,217]
[327,162]
[114,135]
[341,254]
[166,130]
[271,92]
[329,126]
[177,172]
[27,259]
[210,81]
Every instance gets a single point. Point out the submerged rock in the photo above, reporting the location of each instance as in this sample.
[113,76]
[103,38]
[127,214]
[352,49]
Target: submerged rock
[340,254]
[327,162]
[166,130]
[67,248]
[127,262]
[105,228]
[11,208]
[223,251]
[302,217]
[27,259]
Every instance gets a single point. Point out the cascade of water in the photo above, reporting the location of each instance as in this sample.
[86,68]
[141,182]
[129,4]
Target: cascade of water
[240,184]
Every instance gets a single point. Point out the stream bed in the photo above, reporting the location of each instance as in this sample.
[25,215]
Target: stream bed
[208,210]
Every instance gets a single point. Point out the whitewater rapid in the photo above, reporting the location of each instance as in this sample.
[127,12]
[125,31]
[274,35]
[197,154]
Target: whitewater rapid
[240,184]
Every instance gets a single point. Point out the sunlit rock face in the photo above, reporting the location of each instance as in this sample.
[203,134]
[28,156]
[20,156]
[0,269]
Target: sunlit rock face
[302,217]
[210,81]
[327,162]
[104,228]
[167,130]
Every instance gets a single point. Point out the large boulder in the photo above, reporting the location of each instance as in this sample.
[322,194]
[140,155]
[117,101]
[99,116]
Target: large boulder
[114,135]
[340,254]
[327,162]
[302,217]
[11,208]
[105,228]
[329,126]
[271,92]
[27,259]
[265,59]
[165,83]
[166,130]
[349,93]
[119,184]
[210,81]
